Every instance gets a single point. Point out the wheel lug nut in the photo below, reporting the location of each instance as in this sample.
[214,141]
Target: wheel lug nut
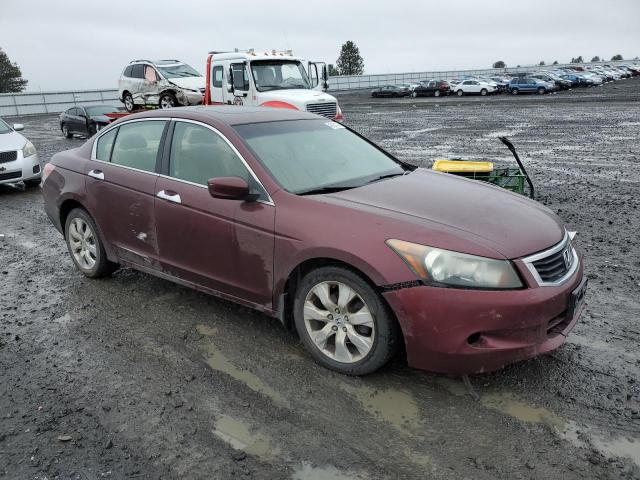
[330,317]
[344,329]
[337,310]
[334,328]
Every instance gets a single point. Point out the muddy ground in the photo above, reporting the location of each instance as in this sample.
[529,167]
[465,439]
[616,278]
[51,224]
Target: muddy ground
[135,377]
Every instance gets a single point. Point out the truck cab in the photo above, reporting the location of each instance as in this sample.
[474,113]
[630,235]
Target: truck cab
[269,79]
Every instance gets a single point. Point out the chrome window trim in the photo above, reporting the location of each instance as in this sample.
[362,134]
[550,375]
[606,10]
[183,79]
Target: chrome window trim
[528,261]
[269,200]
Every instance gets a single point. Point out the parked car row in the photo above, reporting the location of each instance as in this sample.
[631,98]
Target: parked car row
[540,82]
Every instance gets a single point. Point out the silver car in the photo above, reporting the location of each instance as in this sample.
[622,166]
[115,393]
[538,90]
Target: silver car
[162,83]
[19,160]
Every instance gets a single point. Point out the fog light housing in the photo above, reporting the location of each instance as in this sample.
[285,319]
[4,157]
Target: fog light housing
[36,169]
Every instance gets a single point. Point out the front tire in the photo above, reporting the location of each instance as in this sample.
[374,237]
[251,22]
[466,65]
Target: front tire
[343,322]
[541,91]
[85,246]
[484,92]
[460,93]
[66,133]
[168,100]
[414,94]
[436,93]
[514,91]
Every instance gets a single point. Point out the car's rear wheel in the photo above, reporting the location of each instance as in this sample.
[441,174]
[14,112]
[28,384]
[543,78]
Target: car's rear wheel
[414,94]
[483,92]
[85,245]
[343,322]
[436,93]
[514,91]
[128,102]
[168,100]
[459,93]
[65,131]
[541,91]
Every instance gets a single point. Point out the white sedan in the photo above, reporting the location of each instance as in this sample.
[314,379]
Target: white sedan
[19,160]
[479,87]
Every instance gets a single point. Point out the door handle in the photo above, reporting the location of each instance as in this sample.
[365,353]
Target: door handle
[170,196]
[97,174]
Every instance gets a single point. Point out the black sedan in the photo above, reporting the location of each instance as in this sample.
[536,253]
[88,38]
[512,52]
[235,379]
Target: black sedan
[87,120]
[390,91]
[431,87]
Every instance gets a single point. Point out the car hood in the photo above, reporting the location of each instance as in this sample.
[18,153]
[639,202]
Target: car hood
[300,97]
[510,225]
[192,83]
[11,141]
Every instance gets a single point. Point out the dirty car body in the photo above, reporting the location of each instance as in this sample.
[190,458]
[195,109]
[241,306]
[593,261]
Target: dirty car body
[474,277]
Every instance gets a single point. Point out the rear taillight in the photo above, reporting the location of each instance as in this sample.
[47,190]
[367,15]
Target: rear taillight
[48,168]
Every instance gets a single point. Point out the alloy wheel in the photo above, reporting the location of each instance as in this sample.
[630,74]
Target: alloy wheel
[128,103]
[83,243]
[166,102]
[339,322]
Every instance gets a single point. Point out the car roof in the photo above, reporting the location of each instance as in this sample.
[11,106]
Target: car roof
[228,114]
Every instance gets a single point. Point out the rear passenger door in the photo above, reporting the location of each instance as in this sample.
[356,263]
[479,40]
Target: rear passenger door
[223,245]
[120,185]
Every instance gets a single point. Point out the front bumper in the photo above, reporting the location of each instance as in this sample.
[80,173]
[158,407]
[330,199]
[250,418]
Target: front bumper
[29,168]
[459,331]
[190,98]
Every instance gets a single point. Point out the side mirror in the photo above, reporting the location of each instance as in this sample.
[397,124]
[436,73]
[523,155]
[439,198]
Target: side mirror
[231,188]
[18,127]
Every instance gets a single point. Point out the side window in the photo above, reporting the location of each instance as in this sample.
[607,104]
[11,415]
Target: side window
[199,154]
[137,71]
[137,144]
[240,79]
[127,71]
[150,74]
[217,77]
[105,144]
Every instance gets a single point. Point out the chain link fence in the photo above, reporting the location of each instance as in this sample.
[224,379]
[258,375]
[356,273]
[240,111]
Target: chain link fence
[38,103]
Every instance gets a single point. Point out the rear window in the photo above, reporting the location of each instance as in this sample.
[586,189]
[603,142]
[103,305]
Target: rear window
[127,71]
[137,71]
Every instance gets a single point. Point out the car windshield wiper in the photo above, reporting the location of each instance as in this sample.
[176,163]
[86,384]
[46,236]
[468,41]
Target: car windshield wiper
[388,175]
[329,189]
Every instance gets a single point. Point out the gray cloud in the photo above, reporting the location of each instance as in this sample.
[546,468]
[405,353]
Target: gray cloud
[68,44]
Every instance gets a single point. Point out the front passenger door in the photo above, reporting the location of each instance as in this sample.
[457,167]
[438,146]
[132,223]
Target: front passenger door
[223,245]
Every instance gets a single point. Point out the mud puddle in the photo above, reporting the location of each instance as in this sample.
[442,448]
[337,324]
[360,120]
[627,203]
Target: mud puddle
[240,436]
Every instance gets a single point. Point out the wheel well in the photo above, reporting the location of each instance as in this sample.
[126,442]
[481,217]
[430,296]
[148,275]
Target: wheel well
[65,208]
[124,92]
[285,303]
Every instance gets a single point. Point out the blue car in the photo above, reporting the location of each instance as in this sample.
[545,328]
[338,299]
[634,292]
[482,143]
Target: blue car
[529,85]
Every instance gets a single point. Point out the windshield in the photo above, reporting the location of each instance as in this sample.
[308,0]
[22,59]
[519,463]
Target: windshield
[178,71]
[4,128]
[100,110]
[279,75]
[310,155]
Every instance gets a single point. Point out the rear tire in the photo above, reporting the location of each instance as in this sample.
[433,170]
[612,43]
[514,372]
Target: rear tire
[460,93]
[483,92]
[66,133]
[414,94]
[359,344]
[85,245]
[436,93]
[127,99]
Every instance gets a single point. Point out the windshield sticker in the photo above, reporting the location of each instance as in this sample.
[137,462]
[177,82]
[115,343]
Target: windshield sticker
[334,125]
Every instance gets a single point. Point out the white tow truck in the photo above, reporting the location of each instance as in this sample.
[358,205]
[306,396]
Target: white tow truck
[269,79]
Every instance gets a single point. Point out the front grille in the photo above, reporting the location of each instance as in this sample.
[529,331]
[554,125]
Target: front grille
[6,157]
[555,266]
[10,175]
[328,110]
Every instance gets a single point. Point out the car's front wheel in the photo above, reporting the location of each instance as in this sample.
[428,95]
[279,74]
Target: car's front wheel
[414,94]
[168,100]
[541,91]
[343,322]
[66,133]
[85,245]
[436,93]
[484,92]
[514,91]
[460,93]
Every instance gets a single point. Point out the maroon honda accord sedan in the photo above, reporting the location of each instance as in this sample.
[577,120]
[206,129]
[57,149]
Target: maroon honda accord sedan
[303,219]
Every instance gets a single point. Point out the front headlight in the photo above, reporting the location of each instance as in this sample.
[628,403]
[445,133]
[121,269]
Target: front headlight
[28,149]
[439,266]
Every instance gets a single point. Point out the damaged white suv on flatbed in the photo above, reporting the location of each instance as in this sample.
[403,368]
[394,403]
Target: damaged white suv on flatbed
[161,84]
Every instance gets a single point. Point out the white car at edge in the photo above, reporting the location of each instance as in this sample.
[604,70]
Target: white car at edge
[19,160]
[473,86]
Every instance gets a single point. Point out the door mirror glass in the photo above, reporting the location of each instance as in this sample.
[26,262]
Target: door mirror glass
[18,127]
[230,188]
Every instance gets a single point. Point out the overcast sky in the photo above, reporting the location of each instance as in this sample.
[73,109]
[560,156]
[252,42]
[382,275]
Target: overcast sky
[66,45]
